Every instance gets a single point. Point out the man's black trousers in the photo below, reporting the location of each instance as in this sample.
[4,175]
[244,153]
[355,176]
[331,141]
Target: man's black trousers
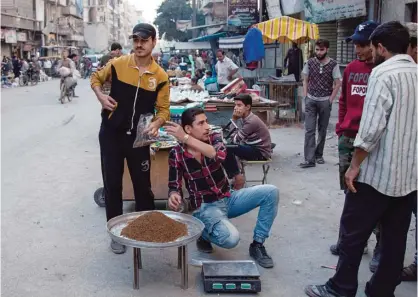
[362,211]
[115,147]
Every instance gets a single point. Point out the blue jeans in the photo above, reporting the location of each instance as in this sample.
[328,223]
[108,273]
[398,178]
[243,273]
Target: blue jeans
[87,73]
[215,216]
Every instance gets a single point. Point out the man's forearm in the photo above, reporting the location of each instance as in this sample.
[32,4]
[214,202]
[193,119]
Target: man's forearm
[232,72]
[358,157]
[206,149]
[305,87]
[98,91]
[159,121]
[335,91]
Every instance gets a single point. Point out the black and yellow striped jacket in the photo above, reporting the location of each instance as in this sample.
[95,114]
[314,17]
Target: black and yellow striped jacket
[134,93]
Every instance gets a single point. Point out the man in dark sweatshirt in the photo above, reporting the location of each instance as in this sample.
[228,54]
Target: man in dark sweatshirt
[353,92]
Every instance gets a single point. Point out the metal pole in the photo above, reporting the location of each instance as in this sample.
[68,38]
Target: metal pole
[137,266]
[57,20]
[184,268]
[227,14]
[260,13]
[179,260]
[194,8]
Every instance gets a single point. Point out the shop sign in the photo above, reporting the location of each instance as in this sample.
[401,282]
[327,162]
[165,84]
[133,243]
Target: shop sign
[27,47]
[320,11]
[10,36]
[242,13]
[21,36]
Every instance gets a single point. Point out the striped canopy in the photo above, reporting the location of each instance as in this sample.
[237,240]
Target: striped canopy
[287,29]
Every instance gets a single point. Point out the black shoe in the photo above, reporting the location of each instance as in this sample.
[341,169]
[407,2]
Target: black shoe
[204,246]
[320,160]
[307,164]
[321,291]
[117,248]
[375,260]
[409,273]
[334,250]
[259,253]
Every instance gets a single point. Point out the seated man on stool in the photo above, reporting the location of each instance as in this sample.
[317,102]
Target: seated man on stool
[253,142]
[199,159]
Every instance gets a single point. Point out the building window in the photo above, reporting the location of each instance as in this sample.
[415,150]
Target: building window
[101,2]
[101,19]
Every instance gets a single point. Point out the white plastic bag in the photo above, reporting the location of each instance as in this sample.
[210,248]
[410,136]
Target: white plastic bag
[76,74]
[64,71]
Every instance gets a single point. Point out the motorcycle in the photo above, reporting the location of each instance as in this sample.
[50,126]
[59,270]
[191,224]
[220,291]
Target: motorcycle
[27,76]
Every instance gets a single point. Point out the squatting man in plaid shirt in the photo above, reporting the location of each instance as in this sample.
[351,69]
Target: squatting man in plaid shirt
[200,159]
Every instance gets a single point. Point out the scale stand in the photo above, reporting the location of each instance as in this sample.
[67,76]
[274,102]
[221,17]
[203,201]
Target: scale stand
[231,277]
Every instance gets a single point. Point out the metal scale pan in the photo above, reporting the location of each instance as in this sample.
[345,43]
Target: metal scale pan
[194,229]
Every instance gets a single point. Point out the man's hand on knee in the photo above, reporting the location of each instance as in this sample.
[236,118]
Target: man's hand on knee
[239,181]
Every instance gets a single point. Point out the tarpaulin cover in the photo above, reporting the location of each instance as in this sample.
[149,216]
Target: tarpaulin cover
[287,29]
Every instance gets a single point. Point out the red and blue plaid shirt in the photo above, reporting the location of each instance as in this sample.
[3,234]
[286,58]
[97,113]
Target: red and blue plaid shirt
[205,181]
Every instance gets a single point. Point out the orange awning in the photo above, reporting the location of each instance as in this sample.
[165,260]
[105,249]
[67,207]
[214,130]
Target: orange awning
[286,29]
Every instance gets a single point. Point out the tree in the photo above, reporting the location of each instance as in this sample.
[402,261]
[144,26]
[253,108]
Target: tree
[171,11]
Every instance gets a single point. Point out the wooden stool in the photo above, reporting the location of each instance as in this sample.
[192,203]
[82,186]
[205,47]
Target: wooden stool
[265,166]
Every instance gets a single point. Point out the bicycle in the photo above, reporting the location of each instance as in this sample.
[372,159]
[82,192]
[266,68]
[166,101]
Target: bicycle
[67,89]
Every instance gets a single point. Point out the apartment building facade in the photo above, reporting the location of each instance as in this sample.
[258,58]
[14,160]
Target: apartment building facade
[40,27]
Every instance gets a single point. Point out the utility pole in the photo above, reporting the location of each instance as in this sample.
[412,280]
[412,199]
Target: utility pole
[194,32]
[57,20]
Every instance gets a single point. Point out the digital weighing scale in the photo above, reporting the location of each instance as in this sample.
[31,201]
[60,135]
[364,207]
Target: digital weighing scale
[231,277]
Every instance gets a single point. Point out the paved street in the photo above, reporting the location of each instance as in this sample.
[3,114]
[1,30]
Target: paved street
[54,241]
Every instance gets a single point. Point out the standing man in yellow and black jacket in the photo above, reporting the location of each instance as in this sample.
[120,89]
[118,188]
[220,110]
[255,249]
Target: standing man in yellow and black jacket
[138,86]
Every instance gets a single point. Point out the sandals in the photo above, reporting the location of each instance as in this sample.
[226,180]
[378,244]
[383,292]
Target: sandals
[409,273]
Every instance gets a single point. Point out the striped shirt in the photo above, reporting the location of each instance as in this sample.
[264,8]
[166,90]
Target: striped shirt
[388,128]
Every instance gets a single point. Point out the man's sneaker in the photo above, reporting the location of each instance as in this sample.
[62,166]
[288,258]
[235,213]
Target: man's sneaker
[259,253]
[375,260]
[409,273]
[320,160]
[204,245]
[117,248]
[321,291]
[307,164]
[336,251]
